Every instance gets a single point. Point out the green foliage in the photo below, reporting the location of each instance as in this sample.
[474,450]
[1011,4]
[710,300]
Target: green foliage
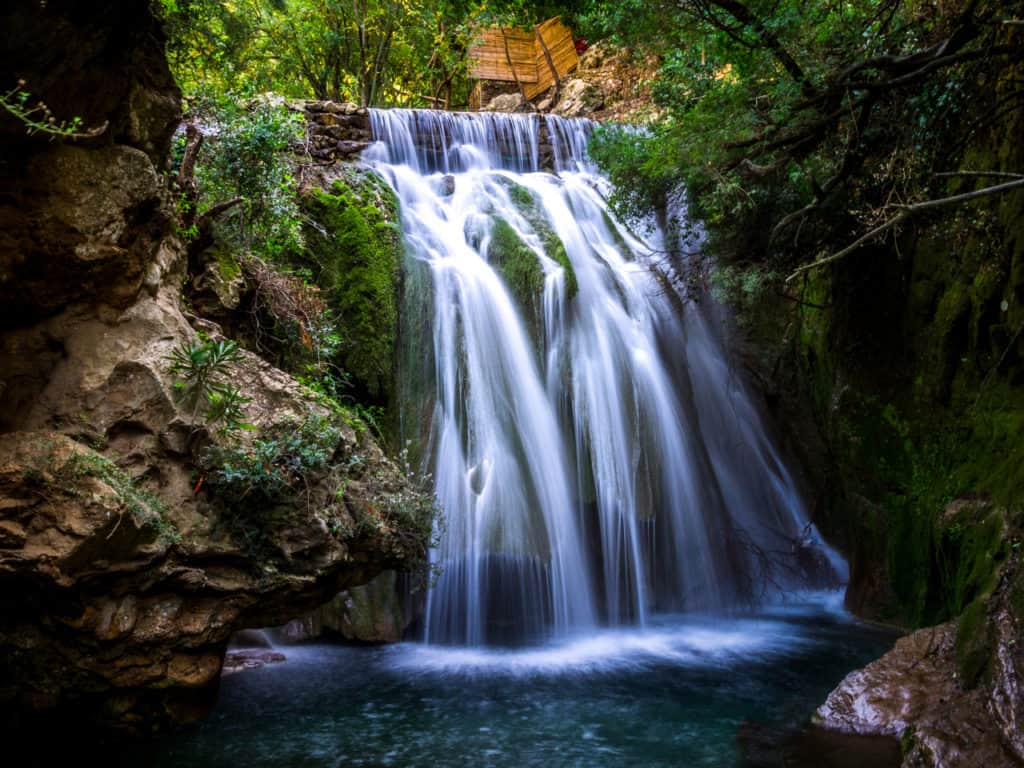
[245,155]
[275,468]
[774,107]
[146,509]
[354,251]
[636,163]
[743,287]
[204,369]
[268,483]
[370,51]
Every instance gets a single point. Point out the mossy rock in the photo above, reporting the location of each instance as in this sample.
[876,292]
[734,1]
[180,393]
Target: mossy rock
[973,643]
[517,263]
[529,208]
[354,245]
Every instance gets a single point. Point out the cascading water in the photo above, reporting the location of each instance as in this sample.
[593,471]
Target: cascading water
[594,455]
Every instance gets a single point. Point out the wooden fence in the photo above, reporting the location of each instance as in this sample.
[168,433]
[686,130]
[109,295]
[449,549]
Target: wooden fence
[533,60]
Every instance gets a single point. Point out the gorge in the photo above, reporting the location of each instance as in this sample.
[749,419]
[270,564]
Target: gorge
[623,493]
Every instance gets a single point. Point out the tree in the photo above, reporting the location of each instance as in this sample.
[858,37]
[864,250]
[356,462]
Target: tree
[783,113]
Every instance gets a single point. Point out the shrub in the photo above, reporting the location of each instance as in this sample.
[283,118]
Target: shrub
[203,368]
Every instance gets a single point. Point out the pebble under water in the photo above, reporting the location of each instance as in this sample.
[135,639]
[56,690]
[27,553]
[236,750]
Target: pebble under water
[674,693]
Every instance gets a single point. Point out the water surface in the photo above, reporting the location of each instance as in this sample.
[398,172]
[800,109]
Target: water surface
[672,694]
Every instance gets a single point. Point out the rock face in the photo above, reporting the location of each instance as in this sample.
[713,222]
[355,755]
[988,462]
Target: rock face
[103,62]
[378,612]
[124,569]
[912,693]
[336,131]
[952,692]
[374,613]
[579,98]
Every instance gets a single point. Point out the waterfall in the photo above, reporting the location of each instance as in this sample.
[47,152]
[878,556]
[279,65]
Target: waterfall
[595,456]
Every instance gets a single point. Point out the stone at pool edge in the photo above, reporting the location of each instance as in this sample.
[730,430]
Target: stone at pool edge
[250,658]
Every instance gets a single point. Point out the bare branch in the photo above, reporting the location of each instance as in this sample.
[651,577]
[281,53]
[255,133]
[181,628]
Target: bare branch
[906,212]
[990,174]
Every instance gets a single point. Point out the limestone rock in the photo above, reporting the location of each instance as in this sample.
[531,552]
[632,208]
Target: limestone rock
[252,658]
[505,102]
[372,613]
[85,224]
[913,693]
[122,575]
[579,98]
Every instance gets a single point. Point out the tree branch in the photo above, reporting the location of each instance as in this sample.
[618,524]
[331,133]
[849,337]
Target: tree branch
[905,213]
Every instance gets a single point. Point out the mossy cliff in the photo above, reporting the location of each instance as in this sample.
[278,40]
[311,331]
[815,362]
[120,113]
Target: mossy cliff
[914,372]
[353,245]
[898,375]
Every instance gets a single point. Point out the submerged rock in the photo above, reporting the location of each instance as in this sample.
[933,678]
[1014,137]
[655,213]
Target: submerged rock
[239,661]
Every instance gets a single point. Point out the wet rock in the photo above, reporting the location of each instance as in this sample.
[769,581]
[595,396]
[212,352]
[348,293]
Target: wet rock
[372,613]
[448,185]
[913,693]
[299,630]
[239,661]
[349,149]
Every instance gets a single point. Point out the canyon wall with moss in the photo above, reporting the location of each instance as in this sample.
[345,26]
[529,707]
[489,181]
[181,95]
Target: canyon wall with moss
[897,376]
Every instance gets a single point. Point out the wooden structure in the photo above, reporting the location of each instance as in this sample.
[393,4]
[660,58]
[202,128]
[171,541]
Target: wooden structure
[533,60]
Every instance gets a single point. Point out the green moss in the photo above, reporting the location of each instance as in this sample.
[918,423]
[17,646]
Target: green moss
[529,208]
[227,264]
[972,549]
[973,643]
[517,263]
[521,196]
[992,456]
[355,247]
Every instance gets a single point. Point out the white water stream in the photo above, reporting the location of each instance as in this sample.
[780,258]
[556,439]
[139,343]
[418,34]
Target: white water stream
[594,454]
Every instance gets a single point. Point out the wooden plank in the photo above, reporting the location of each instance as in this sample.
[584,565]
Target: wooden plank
[489,60]
[559,41]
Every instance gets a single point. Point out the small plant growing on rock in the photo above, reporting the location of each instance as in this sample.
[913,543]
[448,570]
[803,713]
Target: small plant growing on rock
[66,475]
[275,468]
[203,369]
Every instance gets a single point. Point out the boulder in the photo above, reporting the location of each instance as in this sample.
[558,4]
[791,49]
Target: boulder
[505,102]
[578,98]
[914,693]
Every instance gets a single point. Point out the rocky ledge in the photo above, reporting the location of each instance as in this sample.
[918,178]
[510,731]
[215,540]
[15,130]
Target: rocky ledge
[135,537]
